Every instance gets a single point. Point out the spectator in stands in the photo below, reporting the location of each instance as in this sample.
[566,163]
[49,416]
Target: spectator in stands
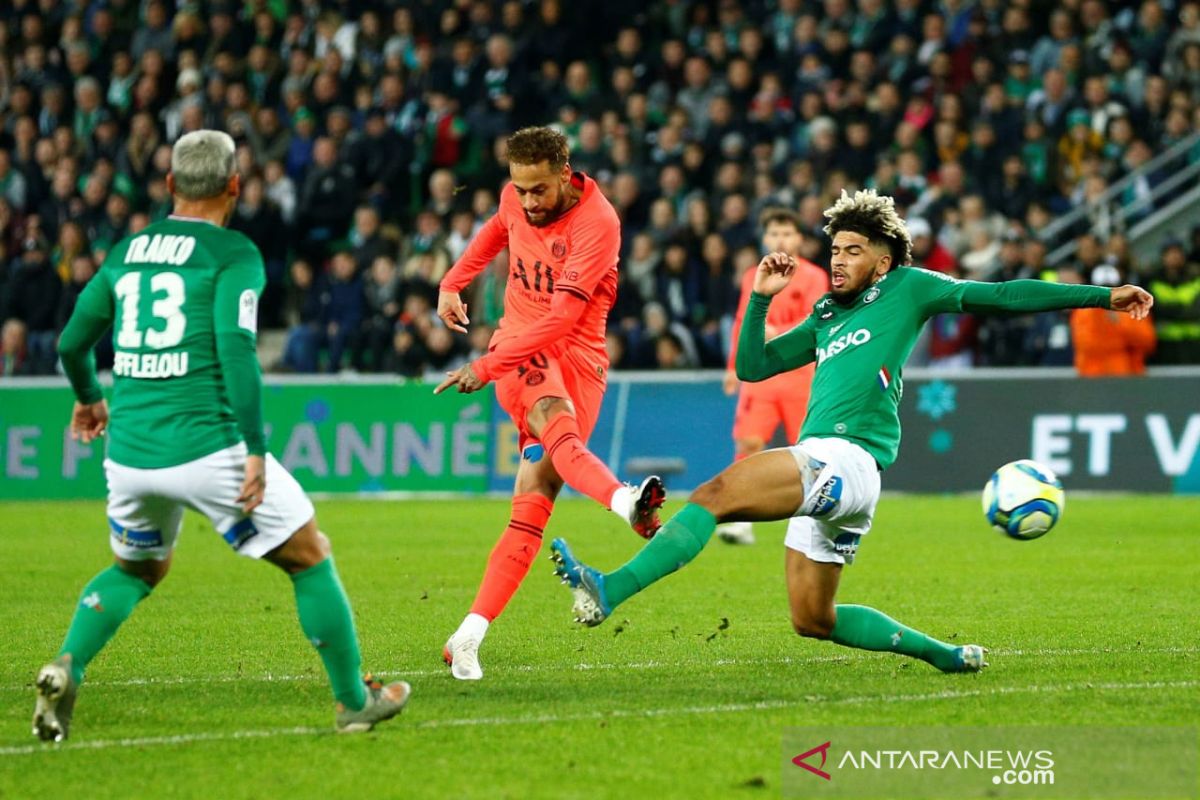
[33,293]
[327,200]
[1176,289]
[307,297]
[1109,344]
[382,296]
[14,358]
[735,103]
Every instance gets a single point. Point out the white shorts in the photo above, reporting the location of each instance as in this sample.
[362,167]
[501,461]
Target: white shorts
[145,506]
[838,505]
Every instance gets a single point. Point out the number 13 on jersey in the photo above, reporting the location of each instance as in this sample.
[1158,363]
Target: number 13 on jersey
[167,323]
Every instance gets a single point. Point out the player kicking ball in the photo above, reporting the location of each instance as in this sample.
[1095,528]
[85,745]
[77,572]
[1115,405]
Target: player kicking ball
[547,358]
[187,432]
[859,335]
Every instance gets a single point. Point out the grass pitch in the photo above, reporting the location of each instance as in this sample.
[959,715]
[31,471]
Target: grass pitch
[210,690]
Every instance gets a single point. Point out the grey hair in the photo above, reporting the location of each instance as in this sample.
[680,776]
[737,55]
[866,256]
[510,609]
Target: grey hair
[202,163]
[874,216]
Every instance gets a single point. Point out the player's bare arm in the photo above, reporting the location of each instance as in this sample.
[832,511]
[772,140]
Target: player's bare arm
[88,421]
[1133,300]
[452,311]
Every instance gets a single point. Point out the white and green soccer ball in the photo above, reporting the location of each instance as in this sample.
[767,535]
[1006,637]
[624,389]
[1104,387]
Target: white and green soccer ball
[1023,499]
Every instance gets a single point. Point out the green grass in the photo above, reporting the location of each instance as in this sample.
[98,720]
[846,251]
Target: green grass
[1099,617]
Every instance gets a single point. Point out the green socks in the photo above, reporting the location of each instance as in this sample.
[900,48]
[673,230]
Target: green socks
[326,620]
[104,604]
[678,541]
[868,629]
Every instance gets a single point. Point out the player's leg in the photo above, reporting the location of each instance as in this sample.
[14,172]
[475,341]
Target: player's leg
[812,585]
[283,531]
[553,420]
[767,486]
[561,412]
[143,529]
[537,485]
[820,543]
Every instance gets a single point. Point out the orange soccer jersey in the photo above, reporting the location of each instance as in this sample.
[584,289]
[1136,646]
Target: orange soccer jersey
[562,280]
[783,398]
[788,309]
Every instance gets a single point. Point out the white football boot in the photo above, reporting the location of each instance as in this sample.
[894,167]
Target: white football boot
[736,532]
[461,654]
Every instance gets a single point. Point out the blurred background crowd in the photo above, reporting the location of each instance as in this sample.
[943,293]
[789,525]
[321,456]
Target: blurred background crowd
[371,142]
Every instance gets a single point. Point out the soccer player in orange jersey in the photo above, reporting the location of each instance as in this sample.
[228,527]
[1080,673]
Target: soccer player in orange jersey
[762,407]
[547,359]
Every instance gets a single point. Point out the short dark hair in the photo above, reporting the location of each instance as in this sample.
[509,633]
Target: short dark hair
[778,215]
[537,144]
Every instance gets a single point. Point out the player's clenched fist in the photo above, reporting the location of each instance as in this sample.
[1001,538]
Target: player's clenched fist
[452,311]
[775,271]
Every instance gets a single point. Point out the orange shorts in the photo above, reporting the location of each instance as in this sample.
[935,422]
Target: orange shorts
[763,407]
[567,375]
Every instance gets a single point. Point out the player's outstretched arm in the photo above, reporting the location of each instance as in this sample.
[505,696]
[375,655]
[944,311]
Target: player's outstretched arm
[1023,295]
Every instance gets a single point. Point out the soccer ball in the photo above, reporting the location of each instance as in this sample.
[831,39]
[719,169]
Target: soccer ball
[1023,499]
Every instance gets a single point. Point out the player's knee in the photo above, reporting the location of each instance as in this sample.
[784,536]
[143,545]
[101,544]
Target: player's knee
[150,571]
[813,625]
[710,495]
[545,410]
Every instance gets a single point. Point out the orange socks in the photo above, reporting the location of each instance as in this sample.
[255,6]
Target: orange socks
[574,463]
[510,559]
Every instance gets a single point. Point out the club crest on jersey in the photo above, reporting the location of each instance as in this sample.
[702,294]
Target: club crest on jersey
[872,295]
[535,378]
[559,248]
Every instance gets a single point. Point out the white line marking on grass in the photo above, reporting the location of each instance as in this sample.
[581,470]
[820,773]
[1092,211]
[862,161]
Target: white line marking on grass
[608,666]
[726,708]
[157,741]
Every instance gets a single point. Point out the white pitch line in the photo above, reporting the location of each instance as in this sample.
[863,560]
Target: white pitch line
[544,719]
[586,667]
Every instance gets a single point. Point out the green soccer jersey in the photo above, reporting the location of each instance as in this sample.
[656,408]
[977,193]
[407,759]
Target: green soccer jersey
[182,299]
[860,348]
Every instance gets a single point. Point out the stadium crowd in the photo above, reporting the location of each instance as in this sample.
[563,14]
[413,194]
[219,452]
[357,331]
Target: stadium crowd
[371,138]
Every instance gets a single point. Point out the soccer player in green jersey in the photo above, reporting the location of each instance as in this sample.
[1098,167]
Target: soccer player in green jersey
[859,335]
[186,431]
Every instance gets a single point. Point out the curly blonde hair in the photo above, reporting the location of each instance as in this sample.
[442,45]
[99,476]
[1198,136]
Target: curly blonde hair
[874,216]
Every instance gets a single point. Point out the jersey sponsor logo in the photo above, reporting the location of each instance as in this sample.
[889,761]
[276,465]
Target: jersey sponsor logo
[248,311]
[846,340]
[834,329]
[846,544]
[160,249]
[150,365]
[827,498]
[520,273]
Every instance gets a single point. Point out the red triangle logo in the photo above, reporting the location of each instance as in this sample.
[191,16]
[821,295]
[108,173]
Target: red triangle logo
[823,749]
